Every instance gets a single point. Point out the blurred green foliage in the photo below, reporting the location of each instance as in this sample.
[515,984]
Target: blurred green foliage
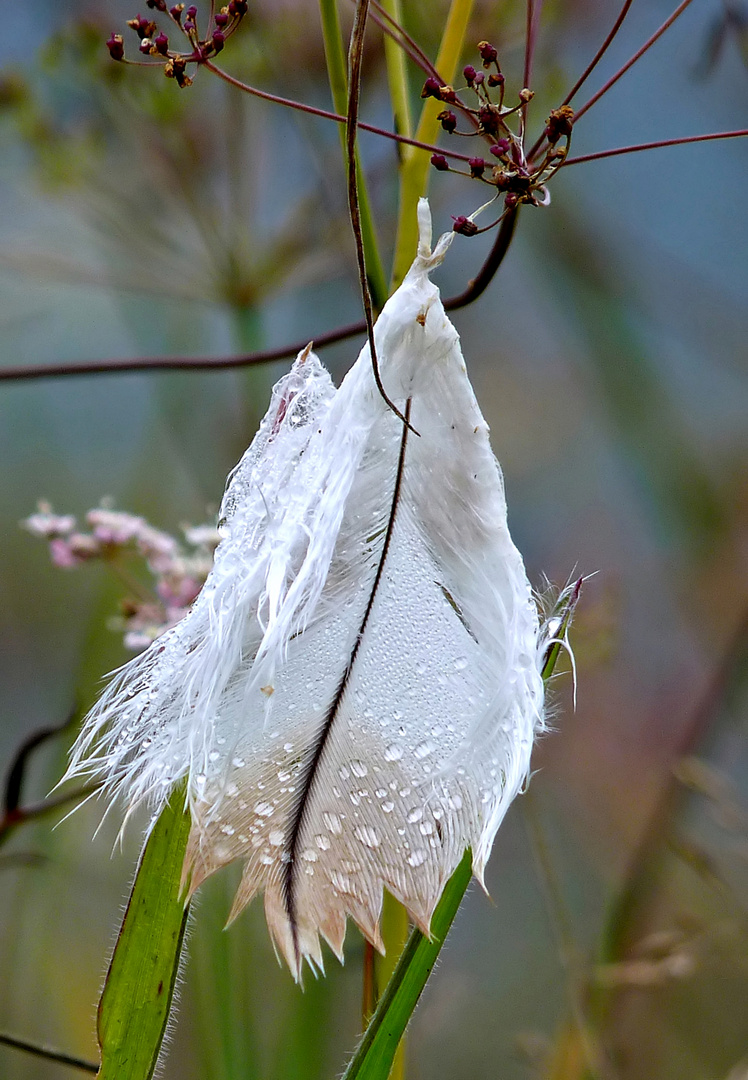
[608,357]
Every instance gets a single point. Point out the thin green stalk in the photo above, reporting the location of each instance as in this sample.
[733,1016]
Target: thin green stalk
[394,926]
[415,164]
[375,1055]
[337,74]
[567,949]
[397,75]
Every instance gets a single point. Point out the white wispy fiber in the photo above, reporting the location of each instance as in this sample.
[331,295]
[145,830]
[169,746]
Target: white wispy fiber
[354,695]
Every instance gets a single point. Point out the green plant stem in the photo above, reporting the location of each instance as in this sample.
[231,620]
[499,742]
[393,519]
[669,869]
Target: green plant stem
[397,75]
[414,166]
[337,74]
[136,1000]
[395,927]
[566,945]
[375,1056]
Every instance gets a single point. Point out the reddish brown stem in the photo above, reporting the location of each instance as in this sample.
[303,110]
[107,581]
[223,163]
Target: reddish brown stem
[598,155]
[637,56]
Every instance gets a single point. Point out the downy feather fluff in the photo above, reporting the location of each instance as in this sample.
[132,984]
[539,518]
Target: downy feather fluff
[354,694]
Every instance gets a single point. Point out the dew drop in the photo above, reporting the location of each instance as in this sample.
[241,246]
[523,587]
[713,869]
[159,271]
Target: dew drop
[264,809]
[367,836]
[322,842]
[425,748]
[415,814]
[333,823]
[275,839]
[393,752]
[417,858]
[358,769]
[460,663]
[388,807]
[309,855]
[213,755]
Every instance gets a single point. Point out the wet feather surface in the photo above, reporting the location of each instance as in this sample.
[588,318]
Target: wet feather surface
[354,695]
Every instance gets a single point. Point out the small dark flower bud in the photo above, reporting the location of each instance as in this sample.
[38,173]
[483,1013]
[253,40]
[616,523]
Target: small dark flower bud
[221,19]
[156,5]
[489,119]
[176,12]
[144,28]
[116,46]
[146,46]
[192,12]
[496,79]
[559,124]
[238,7]
[177,69]
[447,94]
[162,44]
[431,88]
[479,78]
[218,40]
[510,200]
[464,226]
[189,25]
[469,73]
[448,120]
[440,162]
[526,95]
[477,167]
[500,147]
[501,179]
[488,53]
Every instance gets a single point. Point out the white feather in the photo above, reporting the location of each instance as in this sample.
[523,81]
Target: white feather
[354,695]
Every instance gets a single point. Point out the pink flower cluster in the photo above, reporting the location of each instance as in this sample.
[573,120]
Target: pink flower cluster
[128,545]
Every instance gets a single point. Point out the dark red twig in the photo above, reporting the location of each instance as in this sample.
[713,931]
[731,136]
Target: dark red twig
[637,56]
[684,140]
[476,287]
[48,1054]
[325,114]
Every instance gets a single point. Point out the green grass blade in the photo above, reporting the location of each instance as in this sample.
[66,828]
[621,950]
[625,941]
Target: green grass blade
[374,1057]
[135,1004]
[415,163]
[337,74]
[397,74]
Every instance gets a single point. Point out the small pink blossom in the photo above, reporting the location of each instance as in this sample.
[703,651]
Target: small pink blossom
[46,523]
[62,555]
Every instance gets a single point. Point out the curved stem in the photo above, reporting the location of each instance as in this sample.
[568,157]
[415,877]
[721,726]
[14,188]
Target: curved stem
[475,288]
[325,114]
[630,63]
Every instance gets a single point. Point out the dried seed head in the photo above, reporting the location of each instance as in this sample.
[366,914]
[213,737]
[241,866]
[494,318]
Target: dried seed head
[116,46]
[501,146]
[448,120]
[431,88]
[559,124]
[464,226]
[488,53]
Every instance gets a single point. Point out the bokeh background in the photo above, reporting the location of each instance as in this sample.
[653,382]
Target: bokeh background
[609,359]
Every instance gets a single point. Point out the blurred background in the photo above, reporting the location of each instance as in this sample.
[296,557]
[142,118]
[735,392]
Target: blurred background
[609,359]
